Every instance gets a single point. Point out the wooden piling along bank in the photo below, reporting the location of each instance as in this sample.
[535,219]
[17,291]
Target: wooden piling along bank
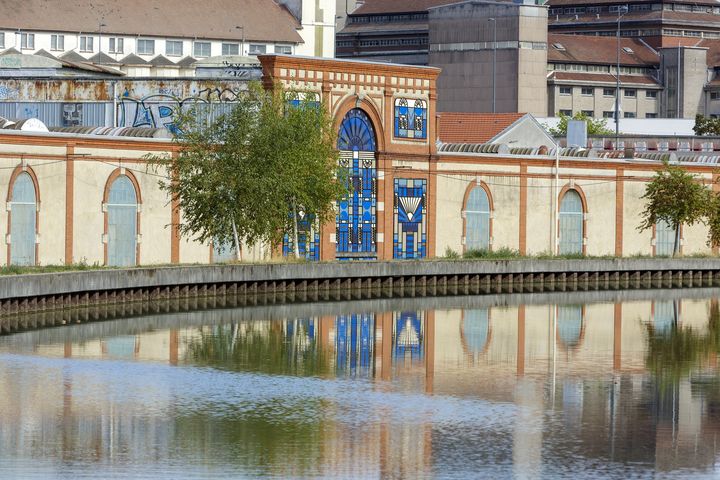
[44,300]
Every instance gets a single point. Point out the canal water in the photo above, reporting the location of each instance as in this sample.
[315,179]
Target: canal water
[585,385]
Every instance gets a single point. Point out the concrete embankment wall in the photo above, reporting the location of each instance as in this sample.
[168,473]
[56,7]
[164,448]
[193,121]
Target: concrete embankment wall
[60,298]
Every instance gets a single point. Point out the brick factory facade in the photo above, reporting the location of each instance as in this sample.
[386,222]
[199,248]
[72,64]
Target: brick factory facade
[73,198]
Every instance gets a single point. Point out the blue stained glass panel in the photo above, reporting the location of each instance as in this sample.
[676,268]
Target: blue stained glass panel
[410,235]
[410,118]
[356,220]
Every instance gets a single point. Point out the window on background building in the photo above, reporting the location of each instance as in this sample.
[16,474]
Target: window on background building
[122,210]
[174,48]
[565,90]
[287,49]
[230,49]
[23,217]
[201,49]
[27,41]
[664,238]
[477,220]
[589,113]
[57,42]
[629,115]
[116,45]
[608,92]
[146,47]
[571,223]
[257,49]
[650,93]
[567,113]
[2,39]
[86,43]
[651,115]
[714,95]
[608,114]
[587,91]
[629,92]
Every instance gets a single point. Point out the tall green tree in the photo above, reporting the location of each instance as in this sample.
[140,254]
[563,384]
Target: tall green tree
[240,178]
[676,197]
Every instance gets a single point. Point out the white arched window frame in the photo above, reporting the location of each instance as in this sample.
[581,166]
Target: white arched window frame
[571,219]
[23,221]
[122,213]
[477,220]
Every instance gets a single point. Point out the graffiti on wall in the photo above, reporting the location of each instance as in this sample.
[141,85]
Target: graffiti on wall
[158,110]
[8,93]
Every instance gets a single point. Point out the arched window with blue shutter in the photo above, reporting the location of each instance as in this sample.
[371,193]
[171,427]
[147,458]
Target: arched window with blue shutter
[23,221]
[477,220]
[122,211]
[664,238]
[571,223]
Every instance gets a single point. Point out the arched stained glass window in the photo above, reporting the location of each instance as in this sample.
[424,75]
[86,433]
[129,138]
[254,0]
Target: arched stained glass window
[476,330]
[122,213]
[23,218]
[477,220]
[571,223]
[356,132]
[570,325]
[664,238]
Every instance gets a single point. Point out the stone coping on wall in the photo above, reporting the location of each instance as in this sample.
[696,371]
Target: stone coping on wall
[47,284]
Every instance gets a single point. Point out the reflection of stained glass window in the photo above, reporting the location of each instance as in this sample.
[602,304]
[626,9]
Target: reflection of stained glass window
[354,342]
[410,118]
[408,334]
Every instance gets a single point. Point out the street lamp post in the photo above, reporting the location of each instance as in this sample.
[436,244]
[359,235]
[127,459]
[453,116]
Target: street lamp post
[622,10]
[494,60]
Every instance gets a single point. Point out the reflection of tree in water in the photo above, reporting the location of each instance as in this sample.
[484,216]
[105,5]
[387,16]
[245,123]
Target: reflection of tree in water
[287,347]
[676,351]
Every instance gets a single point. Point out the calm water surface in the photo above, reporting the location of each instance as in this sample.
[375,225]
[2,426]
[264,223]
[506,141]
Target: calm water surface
[554,386]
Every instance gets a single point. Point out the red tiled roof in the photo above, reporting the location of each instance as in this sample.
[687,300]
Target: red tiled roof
[473,127]
[599,50]
[398,6]
[606,78]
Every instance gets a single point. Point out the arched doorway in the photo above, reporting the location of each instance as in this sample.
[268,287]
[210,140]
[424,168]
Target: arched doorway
[356,220]
[23,221]
[571,223]
[122,211]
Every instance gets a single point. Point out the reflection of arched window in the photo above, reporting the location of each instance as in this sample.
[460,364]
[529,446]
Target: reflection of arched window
[122,210]
[570,325]
[475,330]
[571,223]
[477,220]
[23,221]
[664,316]
[664,238]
